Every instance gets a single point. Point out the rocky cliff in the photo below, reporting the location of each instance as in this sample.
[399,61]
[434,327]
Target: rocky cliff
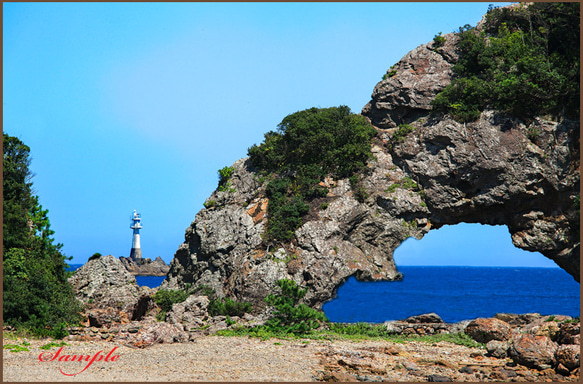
[435,172]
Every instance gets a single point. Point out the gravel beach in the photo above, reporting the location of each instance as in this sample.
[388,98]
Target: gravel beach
[216,358]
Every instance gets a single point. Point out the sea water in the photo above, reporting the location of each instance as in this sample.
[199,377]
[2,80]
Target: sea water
[456,294]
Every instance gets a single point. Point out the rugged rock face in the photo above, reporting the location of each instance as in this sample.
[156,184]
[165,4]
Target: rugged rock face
[410,85]
[110,292]
[497,170]
[145,267]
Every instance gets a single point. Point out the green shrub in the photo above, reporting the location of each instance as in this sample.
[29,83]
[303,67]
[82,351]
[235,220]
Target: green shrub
[228,307]
[402,132]
[438,41]
[165,298]
[224,179]
[291,316]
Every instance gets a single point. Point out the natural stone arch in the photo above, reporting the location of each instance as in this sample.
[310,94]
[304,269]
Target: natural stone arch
[491,172]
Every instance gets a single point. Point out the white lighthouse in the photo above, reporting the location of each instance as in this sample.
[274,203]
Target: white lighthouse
[136,252]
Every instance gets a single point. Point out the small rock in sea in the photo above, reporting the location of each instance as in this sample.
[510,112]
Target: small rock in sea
[425,318]
[439,378]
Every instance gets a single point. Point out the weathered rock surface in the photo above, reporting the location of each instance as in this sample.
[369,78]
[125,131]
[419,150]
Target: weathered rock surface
[497,171]
[145,267]
[484,330]
[104,282]
[533,351]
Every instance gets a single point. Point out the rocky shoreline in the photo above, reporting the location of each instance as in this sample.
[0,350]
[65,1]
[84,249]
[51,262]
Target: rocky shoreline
[516,346]
[526,347]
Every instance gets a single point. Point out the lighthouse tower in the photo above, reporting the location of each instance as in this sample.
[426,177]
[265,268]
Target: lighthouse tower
[136,252]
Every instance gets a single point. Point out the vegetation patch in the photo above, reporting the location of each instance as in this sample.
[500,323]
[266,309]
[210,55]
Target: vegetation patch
[438,41]
[16,347]
[404,183]
[53,344]
[308,146]
[401,133]
[224,179]
[525,61]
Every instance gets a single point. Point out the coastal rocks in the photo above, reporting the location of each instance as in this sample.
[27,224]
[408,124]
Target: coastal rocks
[533,351]
[569,333]
[145,267]
[424,324]
[104,283]
[546,344]
[223,248]
[155,333]
[483,330]
[498,349]
[190,314]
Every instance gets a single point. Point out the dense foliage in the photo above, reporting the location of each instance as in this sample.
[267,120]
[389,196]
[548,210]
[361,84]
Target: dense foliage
[37,295]
[308,146]
[524,61]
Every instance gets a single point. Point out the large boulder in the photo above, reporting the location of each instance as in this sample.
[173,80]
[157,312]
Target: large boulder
[483,330]
[533,351]
[568,356]
[105,283]
[406,92]
[190,314]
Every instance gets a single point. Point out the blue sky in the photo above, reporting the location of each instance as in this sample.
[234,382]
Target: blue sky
[137,105]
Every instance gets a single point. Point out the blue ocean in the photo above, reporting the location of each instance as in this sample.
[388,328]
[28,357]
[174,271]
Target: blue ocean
[454,293]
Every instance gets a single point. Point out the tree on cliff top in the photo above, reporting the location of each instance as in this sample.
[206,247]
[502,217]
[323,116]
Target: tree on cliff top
[308,146]
[37,294]
[524,61]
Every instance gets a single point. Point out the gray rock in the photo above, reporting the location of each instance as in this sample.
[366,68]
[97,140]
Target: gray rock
[105,283]
[191,312]
[498,349]
[418,77]
[425,318]
[439,378]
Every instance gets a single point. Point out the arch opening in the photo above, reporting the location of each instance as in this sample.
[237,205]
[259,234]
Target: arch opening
[460,272]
